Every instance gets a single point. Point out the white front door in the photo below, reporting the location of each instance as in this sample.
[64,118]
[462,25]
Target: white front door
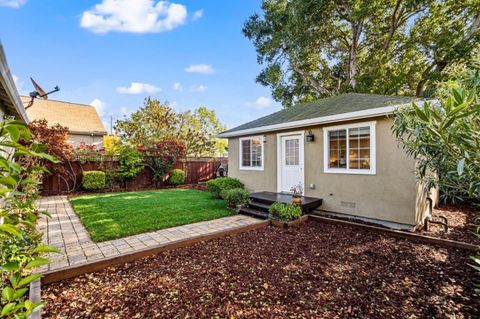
[290,162]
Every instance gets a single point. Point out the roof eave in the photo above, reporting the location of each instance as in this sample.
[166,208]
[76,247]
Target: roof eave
[7,82]
[381,111]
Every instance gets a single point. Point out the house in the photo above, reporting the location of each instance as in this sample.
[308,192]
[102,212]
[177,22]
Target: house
[11,106]
[342,150]
[82,120]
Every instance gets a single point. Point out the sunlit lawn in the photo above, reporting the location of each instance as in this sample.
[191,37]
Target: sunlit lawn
[117,215]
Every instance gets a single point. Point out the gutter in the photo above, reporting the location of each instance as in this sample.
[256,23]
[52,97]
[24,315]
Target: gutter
[8,84]
[381,111]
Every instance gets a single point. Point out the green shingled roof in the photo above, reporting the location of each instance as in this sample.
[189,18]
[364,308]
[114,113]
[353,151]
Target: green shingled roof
[345,103]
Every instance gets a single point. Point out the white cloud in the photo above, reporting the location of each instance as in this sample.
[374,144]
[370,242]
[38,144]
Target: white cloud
[12,3]
[138,88]
[200,68]
[99,105]
[177,86]
[198,88]
[197,15]
[261,103]
[135,16]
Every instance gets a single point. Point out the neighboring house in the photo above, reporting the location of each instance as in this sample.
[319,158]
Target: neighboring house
[82,120]
[11,106]
[353,163]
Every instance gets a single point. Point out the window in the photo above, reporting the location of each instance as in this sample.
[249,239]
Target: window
[350,149]
[292,153]
[251,153]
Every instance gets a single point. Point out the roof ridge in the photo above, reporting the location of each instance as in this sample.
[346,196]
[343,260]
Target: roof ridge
[59,101]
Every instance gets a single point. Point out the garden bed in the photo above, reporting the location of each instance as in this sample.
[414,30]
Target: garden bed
[314,270]
[116,215]
[461,224]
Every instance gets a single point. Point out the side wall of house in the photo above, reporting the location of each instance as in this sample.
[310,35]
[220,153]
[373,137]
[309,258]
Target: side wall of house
[392,194]
[76,139]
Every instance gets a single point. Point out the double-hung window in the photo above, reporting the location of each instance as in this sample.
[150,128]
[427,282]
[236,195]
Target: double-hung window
[350,149]
[251,153]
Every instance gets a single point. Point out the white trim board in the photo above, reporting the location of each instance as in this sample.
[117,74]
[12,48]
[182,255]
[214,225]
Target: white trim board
[380,111]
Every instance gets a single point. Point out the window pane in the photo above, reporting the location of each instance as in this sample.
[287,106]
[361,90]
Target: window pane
[292,154]
[359,148]
[338,149]
[246,153]
[256,152]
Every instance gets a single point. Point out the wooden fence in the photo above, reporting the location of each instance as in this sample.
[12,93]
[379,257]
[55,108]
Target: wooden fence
[196,170]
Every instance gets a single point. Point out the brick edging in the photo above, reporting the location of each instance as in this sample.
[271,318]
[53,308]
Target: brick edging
[402,234]
[74,271]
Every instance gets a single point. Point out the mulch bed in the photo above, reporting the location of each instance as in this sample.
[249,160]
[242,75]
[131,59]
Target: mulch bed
[313,271]
[461,223]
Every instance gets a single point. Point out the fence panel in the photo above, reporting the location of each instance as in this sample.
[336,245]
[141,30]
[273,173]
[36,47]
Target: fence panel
[196,170]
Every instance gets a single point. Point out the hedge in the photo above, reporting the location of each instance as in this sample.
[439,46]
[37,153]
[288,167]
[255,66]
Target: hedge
[93,180]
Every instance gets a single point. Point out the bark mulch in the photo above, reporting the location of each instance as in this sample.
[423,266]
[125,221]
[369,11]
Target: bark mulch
[461,223]
[313,271]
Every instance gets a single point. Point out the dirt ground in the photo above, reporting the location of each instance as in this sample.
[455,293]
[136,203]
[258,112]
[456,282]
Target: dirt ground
[313,271]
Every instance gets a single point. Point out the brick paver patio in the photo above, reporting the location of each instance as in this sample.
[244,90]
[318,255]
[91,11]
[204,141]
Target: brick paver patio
[66,232]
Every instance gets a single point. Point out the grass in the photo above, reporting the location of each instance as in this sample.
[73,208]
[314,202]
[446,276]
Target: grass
[116,215]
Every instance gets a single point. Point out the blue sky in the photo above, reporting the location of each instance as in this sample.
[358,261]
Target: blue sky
[114,53]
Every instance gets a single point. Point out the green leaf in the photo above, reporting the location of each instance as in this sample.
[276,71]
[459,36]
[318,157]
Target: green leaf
[420,113]
[13,131]
[7,309]
[14,279]
[11,266]
[46,249]
[37,262]
[8,181]
[19,293]
[10,229]
[7,293]
[29,279]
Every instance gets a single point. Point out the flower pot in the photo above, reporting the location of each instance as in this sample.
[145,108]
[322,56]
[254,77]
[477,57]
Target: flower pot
[296,200]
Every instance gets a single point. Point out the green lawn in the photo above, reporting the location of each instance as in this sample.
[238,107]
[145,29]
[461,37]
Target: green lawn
[116,215]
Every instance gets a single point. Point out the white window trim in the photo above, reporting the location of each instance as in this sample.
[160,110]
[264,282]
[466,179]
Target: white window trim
[240,163]
[326,150]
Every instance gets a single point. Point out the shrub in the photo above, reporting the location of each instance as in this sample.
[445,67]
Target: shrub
[236,196]
[130,163]
[285,211]
[216,186]
[93,180]
[177,177]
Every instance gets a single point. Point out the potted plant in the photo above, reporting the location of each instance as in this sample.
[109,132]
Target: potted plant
[297,194]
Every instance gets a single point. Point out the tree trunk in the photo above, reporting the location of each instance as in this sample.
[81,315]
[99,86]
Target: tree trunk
[352,54]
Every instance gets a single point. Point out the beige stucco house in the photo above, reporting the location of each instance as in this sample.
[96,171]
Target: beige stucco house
[82,120]
[342,150]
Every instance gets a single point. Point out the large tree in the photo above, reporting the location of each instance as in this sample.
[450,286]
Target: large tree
[315,48]
[157,121]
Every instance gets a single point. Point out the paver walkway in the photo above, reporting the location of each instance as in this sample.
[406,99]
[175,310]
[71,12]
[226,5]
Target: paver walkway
[66,232]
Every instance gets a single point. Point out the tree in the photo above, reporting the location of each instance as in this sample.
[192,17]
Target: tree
[445,139]
[198,130]
[317,48]
[156,122]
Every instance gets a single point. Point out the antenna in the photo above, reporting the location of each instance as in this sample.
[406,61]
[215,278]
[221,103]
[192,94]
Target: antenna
[39,93]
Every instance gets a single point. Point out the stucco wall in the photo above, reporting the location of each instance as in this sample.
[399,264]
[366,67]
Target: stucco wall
[76,139]
[390,194]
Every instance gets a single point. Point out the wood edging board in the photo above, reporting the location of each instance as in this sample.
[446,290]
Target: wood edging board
[401,234]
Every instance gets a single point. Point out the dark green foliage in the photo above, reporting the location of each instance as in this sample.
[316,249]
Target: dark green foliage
[216,186]
[130,163]
[235,197]
[177,177]
[285,211]
[93,180]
